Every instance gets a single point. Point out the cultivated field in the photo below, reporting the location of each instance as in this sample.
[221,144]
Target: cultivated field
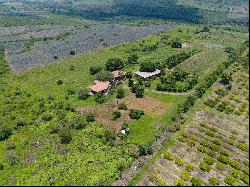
[212,148]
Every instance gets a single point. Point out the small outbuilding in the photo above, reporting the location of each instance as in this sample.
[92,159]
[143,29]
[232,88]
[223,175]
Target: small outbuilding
[118,75]
[148,75]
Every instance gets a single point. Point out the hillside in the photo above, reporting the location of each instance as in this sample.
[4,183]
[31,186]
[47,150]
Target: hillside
[193,11]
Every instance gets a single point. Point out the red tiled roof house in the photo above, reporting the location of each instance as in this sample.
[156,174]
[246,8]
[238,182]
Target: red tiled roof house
[100,87]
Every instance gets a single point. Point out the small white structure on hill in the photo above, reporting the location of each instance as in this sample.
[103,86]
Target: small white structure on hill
[148,75]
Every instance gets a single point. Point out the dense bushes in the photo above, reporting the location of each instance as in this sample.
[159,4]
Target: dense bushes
[148,66]
[177,81]
[114,64]
[136,114]
[94,69]
[104,75]
[65,136]
[5,132]
[120,93]
[138,90]
[178,58]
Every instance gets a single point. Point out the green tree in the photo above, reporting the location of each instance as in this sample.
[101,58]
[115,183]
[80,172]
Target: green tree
[133,59]
[65,136]
[176,43]
[147,66]
[114,64]
[90,117]
[94,69]
[116,115]
[104,75]
[99,98]
[83,94]
[226,78]
[120,93]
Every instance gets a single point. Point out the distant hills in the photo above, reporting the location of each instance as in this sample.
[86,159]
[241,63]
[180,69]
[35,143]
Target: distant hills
[191,11]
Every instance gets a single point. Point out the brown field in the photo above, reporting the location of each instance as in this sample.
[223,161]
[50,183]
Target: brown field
[103,113]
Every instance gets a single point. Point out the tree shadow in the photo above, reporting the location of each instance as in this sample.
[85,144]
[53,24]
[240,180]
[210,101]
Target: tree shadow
[137,9]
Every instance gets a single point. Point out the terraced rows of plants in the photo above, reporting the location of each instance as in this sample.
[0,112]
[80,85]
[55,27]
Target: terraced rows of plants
[232,98]
[213,148]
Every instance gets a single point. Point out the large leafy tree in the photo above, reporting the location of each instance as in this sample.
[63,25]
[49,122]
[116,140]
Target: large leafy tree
[148,66]
[114,64]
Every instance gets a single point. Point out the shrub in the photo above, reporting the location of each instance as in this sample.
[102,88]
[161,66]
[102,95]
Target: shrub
[114,64]
[226,78]
[204,143]
[72,52]
[185,176]
[120,93]
[195,138]
[94,69]
[246,171]
[181,139]
[136,114]
[235,164]
[205,167]
[71,67]
[5,132]
[58,82]
[9,145]
[47,117]
[214,147]
[179,161]
[246,162]
[230,180]
[230,142]
[196,181]
[244,178]
[225,153]
[223,159]
[189,167]
[217,141]
[210,133]
[11,157]
[109,137]
[210,152]
[209,160]
[133,59]
[221,92]
[122,106]
[220,166]
[130,83]
[65,136]
[243,147]
[145,149]
[99,98]
[138,90]
[202,149]
[176,43]
[83,94]
[214,181]
[104,75]
[116,115]
[210,102]
[1,167]
[236,174]
[185,134]
[168,156]
[90,117]
[147,66]
[180,182]
[191,143]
